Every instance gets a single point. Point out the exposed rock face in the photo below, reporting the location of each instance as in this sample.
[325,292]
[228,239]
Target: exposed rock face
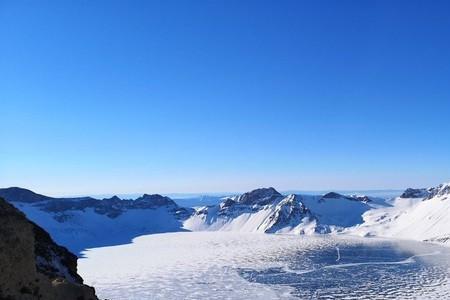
[334,195]
[228,202]
[32,265]
[248,202]
[415,193]
[266,210]
[112,207]
[288,213]
[439,191]
[151,201]
[259,196]
[364,199]
[261,210]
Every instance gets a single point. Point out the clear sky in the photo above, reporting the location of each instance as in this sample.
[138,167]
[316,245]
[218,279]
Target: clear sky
[210,96]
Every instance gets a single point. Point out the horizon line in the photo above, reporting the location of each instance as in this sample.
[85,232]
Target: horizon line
[223,193]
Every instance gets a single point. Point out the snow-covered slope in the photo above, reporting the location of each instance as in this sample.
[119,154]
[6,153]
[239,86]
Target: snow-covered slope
[419,214]
[266,210]
[80,223]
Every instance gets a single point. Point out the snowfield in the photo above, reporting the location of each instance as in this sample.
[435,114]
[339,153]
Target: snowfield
[199,265]
[425,218]
[234,265]
[81,223]
[258,244]
[87,229]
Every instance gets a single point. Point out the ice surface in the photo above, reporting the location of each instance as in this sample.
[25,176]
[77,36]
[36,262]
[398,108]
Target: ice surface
[199,265]
[236,265]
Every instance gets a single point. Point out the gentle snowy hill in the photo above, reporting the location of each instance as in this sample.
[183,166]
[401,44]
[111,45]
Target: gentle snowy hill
[419,214]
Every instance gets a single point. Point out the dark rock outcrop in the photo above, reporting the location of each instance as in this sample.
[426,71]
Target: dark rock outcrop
[246,203]
[22,195]
[334,195]
[364,199]
[288,213]
[32,265]
[261,196]
[415,193]
[439,191]
[228,202]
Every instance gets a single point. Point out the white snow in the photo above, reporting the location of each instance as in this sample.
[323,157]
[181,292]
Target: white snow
[335,214]
[405,218]
[200,265]
[410,218]
[86,228]
[197,265]
[205,265]
[243,222]
[338,212]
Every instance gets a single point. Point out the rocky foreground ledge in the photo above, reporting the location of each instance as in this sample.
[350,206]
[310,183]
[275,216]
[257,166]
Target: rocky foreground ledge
[32,265]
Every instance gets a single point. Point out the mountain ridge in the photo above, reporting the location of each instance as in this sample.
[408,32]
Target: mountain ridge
[81,223]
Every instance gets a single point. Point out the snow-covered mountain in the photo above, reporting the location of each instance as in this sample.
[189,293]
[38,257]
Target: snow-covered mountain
[419,214]
[80,223]
[266,210]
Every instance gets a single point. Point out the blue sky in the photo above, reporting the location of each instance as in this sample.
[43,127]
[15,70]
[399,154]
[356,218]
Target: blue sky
[210,96]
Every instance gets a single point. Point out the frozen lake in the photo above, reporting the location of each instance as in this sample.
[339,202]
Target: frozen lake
[231,265]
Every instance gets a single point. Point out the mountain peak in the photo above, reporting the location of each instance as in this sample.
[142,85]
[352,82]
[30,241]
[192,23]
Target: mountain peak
[415,193]
[288,213]
[259,196]
[154,200]
[21,195]
[113,198]
[439,191]
[332,195]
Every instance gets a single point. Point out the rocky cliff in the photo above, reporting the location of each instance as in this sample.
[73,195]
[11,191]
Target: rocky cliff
[32,265]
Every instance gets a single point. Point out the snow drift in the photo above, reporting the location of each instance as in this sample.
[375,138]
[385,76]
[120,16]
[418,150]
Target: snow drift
[418,214]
